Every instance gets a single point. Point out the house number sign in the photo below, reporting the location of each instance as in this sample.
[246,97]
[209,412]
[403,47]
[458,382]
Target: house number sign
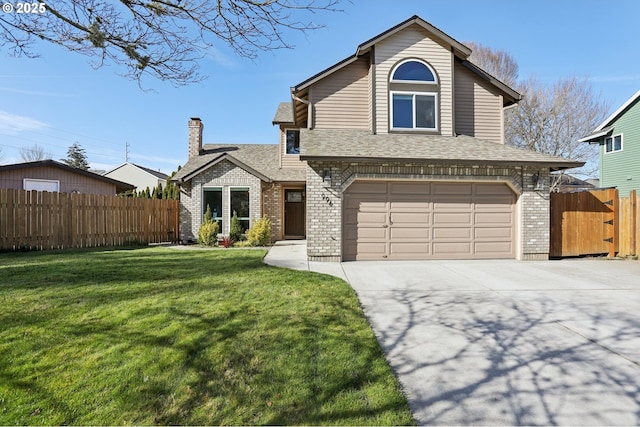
[327,199]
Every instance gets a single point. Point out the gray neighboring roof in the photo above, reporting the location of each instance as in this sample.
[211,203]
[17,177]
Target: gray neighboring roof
[157,174]
[363,146]
[595,137]
[261,160]
[284,114]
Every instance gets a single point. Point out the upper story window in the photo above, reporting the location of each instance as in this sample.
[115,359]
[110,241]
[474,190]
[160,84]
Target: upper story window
[413,89]
[613,144]
[292,141]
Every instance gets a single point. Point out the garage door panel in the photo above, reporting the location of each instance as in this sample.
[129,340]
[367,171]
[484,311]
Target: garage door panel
[415,233]
[427,220]
[452,249]
[452,218]
[440,234]
[413,189]
[482,218]
[493,233]
[448,189]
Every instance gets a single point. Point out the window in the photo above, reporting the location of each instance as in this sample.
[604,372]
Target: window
[40,185]
[293,141]
[413,106]
[413,110]
[213,199]
[613,144]
[240,205]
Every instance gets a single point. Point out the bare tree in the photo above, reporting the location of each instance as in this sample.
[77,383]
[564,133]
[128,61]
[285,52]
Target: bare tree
[498,63]
[159,38]
[34,153]
[551,118]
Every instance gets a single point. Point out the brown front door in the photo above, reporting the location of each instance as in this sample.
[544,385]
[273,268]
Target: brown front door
[294,213]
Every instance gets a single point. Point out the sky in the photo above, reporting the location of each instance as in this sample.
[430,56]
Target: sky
[59,99]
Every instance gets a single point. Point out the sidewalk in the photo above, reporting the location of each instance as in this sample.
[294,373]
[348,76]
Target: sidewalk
[293,254]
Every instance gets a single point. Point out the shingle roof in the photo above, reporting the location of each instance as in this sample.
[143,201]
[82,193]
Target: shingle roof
[361,145]
[155,173]
[261,160]
[284,114]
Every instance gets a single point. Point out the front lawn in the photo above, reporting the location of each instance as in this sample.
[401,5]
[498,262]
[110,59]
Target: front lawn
[164,336]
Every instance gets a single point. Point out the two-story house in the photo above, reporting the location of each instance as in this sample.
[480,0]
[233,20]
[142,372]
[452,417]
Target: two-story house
[619,139]
[396,152]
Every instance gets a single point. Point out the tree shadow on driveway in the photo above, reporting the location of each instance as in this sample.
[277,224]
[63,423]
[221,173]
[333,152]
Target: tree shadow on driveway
[483,357]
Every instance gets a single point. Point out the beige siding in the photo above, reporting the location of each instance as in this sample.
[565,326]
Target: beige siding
[69,182]
[478,108]
[341,100]
[291,161]
[413,42]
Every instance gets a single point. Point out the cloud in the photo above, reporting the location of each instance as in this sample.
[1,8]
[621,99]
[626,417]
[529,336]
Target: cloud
[13,123]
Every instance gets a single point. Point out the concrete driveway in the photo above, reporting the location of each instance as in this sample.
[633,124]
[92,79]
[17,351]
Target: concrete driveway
[509,342]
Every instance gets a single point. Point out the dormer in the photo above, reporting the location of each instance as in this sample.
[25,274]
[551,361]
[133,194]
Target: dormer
[411,79]
[289,137]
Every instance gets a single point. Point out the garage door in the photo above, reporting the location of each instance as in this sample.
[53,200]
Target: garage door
[428,220]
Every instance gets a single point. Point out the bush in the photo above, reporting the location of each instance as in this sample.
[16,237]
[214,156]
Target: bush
[235,231]
[208,233]
[260,232]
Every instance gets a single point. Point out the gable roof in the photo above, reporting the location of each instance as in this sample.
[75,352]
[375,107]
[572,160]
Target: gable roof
[260,160]
[284,114]
[155,173]
[359,145]
[120,186]
[605,127]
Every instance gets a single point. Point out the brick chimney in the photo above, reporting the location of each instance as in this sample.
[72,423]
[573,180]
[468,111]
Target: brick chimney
[195,136]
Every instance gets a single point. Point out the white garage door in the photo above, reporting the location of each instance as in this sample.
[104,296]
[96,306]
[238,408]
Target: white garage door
[428,220]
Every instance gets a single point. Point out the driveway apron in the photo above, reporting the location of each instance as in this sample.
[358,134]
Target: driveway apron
[509,342]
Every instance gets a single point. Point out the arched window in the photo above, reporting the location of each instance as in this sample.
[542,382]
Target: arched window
[413,107]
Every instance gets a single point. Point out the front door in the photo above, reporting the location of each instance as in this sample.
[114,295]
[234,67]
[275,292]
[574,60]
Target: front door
[294,214]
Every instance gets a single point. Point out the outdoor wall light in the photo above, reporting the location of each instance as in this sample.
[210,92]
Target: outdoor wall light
[326,178]
[537,182]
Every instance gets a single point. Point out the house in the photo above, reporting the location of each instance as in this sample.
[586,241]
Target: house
[49,175]
[619,140]
[138,176]
[396,152]
[565,183]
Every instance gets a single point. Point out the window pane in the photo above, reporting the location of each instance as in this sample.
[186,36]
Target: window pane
[415,71]
[293,141]
[402,111]
[213,199]
[240,205]
[608,144]
[425,111]
[617,143]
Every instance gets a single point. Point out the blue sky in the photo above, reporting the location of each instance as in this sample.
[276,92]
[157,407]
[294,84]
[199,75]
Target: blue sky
[59,99]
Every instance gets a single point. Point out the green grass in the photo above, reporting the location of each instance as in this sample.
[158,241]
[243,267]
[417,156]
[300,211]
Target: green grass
[162,336]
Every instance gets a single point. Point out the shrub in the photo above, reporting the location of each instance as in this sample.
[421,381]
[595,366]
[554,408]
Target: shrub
[235,230]
[208,234]
[226,242]
[260,232]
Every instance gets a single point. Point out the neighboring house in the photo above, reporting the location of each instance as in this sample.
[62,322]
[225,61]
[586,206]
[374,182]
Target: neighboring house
[619,140]
[138,176]
[566,183]
[49,175]
[396,152]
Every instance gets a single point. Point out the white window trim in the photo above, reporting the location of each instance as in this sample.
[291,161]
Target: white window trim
[613,137]
[413,116]
[284,145]
[34,180]
[433,72]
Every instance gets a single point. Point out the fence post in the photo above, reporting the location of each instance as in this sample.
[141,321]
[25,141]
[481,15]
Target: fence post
[634,218]
[614,248]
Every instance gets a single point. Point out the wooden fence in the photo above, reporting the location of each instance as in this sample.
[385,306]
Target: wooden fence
[42,220]
[594,222]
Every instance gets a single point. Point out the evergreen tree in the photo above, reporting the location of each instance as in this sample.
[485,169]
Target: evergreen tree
[76,157]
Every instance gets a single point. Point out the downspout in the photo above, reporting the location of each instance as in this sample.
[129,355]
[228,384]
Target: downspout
[309,109]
